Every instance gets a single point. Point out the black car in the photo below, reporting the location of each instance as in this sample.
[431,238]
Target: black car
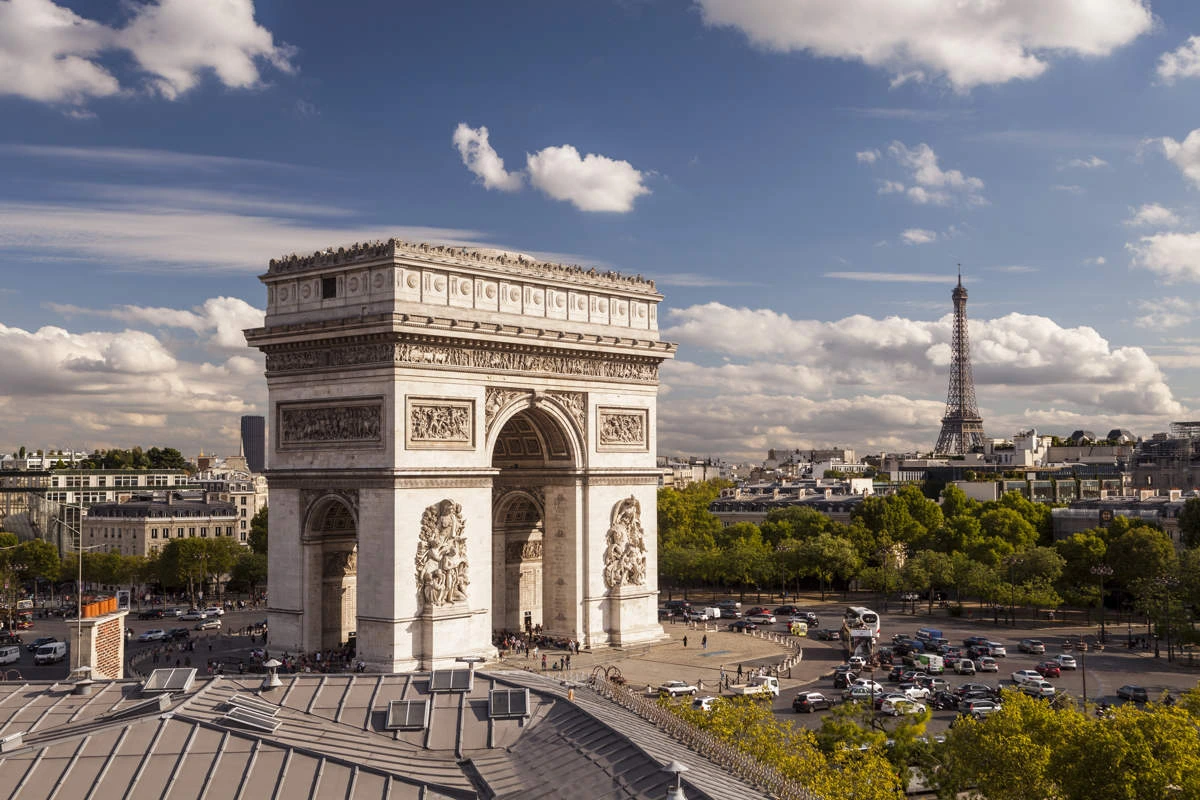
[151,613]
[38,642]
[8,637]
[843,679]
[973,687]
[810,701]
[824,634]
[943,700]
[897,673]
[1136,694]
[178,633]
[742,625]
[677,605]
[787,611]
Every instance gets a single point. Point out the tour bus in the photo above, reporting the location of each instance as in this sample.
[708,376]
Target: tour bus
[862,617]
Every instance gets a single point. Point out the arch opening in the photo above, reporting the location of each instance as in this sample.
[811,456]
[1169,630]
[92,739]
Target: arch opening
[332,536]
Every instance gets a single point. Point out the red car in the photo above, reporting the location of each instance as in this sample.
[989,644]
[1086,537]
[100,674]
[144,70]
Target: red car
[1048,669]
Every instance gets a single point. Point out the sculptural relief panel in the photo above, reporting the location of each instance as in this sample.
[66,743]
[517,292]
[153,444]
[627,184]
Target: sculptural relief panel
[623,429]
[440,424]
[357,421]
[441,560]
[625,553]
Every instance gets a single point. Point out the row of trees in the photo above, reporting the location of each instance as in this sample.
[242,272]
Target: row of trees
[117,458]
[1001,553]
[1028,749]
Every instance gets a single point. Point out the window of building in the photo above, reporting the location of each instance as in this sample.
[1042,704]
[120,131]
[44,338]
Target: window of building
[204,532]
[154,533]
[102,480]
[328,288]
[243,537]
[243,512]
[243,500]
[243,525]
[191,531]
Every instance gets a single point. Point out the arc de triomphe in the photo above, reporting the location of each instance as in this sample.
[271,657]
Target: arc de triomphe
[462,441]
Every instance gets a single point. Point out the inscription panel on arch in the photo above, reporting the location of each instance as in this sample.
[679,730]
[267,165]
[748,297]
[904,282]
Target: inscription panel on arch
[354,421]
[439,423]
[622,429]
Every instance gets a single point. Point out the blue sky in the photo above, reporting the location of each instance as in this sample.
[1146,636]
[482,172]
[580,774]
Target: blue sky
[801,178]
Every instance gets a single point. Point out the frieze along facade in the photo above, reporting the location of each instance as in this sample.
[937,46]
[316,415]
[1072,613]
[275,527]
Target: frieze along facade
[435,423]
[307,424]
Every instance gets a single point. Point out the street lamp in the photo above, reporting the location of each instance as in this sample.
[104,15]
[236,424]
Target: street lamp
[1102,571]
[79,548]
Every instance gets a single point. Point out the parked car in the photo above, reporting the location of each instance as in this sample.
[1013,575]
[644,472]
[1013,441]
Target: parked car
[943,700]
[809,702]
[729,609]
[786,611]
[862,693]
[151,613]
[152,635]
[38,642]
[704,703]
[762,618]
[676,688]
[690,614]
[1033,646]
[915,692]
[964,666]
[757,610]
[207,624]
[1043,689]
[193,614]
[896,672]
[179,633]
[1065,661]
[996,650]
[968,688]
[1049,669]
[215,611]
[901,705]
[857,663]
[979,708]
[742,625]
[972,641]
[841,680]
[677,605]
[986,664]
[1023,676]
[1136,694]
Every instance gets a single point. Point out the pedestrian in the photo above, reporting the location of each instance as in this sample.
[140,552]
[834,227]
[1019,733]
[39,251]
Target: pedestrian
[685,640]
[543,662]
[704,642]
[739,673]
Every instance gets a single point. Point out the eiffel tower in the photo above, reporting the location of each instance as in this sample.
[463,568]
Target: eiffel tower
[962,427]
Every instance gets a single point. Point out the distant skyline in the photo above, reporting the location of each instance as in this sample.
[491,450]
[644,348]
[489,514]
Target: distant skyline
[800,178]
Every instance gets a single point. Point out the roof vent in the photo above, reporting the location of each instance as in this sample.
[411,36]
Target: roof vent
[508,703]
[451,680]
[407,715]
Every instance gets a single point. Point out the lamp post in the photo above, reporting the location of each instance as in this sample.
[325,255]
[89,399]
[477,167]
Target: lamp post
[1102,571]
[79,548]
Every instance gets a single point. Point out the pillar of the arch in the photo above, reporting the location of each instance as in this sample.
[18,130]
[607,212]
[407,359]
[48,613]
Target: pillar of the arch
[562,567]
[285,589]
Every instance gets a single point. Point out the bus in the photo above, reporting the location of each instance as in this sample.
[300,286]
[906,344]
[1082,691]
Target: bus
[862,618]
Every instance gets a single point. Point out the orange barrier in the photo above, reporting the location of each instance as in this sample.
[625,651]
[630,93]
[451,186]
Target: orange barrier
[100,607]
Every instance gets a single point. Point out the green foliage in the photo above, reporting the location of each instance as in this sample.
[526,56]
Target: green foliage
[258,531]
[250,571]
[1140,554]
[36,558]
[1189,523]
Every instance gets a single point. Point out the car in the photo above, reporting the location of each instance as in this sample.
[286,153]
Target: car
[967,688]
[875,687]
[762,618]
[8,637]
[215,611]
[877,699]
[787,611]
[152,635]
[690,614]
[677,605]
[809,702]
[915,692]
[757,610]
[1134,693]
[896,673]
[986,664]
[1065,661]
[179,633]
[730,609]
[1023,676]
[1033,646]
[901,705]
[173,612]
[964,666]
[861,693]
[677,689]
[996,650]
[943,700]
[825,634]
[1048,669]
[972,641]
[1039,689]
[38,642]
[151,613]
[935,684]
[978,708]
[207,624]
[841,680]
[193,614]
[743,625]
[704,703]
[857,663]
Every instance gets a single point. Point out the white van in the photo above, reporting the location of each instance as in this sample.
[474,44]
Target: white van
[10,654]
[50,653]
[713,613]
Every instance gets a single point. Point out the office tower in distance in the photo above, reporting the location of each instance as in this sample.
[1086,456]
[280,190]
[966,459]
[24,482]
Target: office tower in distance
[254,442]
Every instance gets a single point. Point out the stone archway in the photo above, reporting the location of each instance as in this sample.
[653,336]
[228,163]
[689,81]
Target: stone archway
[456,395]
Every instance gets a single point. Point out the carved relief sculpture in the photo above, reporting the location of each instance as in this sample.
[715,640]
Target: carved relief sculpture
[625,556]
[442,555]
[495,400]
[523,551]
[438,421]
[622,429]
[575,404]
[306,424]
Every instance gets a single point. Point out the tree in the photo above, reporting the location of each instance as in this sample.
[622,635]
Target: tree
[955,503]
[37,558]
[794,522]
[1140,554]
[258,531]
[827,557]
[1189,523]
[250,571]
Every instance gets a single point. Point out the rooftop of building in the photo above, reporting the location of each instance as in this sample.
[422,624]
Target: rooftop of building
[142,506]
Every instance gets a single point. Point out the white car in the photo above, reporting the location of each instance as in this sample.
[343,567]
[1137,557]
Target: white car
[916,693]
[152,635]
[1034,646]
[996,650]
[214,611]
[193,614]
[1023,676]
[857,663]
[964,666]
[677,688]
[986,664]
[703,703]
[870,685]
[1040,688]
[1065,661]
[901,705]
[762,619]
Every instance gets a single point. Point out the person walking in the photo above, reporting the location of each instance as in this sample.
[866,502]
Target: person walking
[543,662]
[739,674]
[704,642]
[685,640]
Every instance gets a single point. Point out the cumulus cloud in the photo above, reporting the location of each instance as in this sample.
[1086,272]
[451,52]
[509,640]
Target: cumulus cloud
[1174,256]
[1164,313]
[483,161]
[890,187]
[933,184]
[590,183]
[1152,215]
[1091,162]
[967,44]
[1097,261]
[867,156]
[1185,155]
[49,53]
[864,379]
[221,318]
[1182,62]
[918,236]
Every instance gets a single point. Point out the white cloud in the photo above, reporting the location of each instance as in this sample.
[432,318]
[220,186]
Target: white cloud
[1016,269]
[932,184]
[1068,188]
[590,183]
[1185,155]
[881,382]
[918,236]
[1174,256]
[891,277]
[482,160]
[967,44]
[1183,62]
[867,156]
[142,158]
[1091,162]
[1164,313]
[50,54]
[1152,215]
[1097,261]
[223,317]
